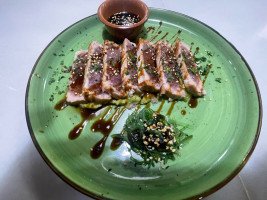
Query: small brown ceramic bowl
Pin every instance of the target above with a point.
(110, 7)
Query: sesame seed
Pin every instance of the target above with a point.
(170, 142)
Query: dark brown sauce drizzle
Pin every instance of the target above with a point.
(176, 35)
(105, 127)
(154, 37)
(98, 148)
(116, 143)
(192, 103)
(183, 112)
(150, 28)
(141, 34)
(102, 126)
(157, 32)
(76, 131)
(61, 104)
(160, 23)
(163, 37)
(171, 108)
(196, 51)
(86, 115)
(160, 106)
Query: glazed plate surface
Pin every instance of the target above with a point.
(225, 124)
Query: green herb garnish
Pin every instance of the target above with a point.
(209, 53)
(153, 137)
(132, 57)
(201, 59)
(167, 69)
(51, 80)
(193, 70)
(112, 62)
(51, 97)
(96, 67)
(219, 80)
(150, 70)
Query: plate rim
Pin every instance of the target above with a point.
(95, 196)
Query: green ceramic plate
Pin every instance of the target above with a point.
(225, 125)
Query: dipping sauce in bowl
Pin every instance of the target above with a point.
(123, 18)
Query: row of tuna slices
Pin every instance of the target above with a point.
(113, 71)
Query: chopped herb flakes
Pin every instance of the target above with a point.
(201, 59)
(96, 67)
(132, 57)
(209, 53)
(204, 70)
(219, 80)
(66, 69)
(51, 98)
(51, 80)
(193, 70)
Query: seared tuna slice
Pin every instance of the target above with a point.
(148, 77)
(169, 72)
(112, 81)
(75, 92)
(92, 86)
(188, 68)
(129, 68)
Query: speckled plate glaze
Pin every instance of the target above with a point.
(225, 125)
